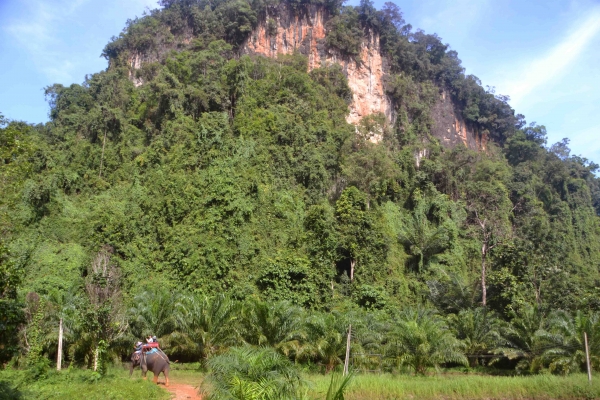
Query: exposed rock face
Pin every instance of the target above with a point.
(451, 129)
(135, 62)
(287, 31)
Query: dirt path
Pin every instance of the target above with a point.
(180, 391)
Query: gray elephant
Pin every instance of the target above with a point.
(155, 361)
(136, 358)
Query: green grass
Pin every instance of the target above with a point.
(79, 384)
(188, 373)
(390, 387)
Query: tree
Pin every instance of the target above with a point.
(452, 292)
(522, 339)
(154, 313)
(325, 339)
(277, 325)
(564, 344)
(428, 229)
(63, 317)
(11, 310)
(34, 335)
(421, 339)
(205, 325)
(479, 330)
(16, 150)
(489, 209)
(248, 373)
(357, 236)
(104, 318)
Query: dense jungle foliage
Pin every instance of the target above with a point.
(226, 200)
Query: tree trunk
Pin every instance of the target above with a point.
(102, 156)
(473, 361)
(347, 359)
(483, 289)
(96, 351)
(352, 264)
(60, 340)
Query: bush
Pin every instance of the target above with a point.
(249, 373)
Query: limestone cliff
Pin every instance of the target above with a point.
(451, 128)
(285, 31)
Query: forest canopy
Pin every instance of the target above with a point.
(236, 175)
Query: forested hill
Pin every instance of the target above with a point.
(207, 167)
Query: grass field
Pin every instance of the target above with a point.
(390, 387)
(78, 384)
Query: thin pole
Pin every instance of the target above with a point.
(347, 360)
(60, 340)
(587, 357)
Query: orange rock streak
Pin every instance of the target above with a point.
(306, 34)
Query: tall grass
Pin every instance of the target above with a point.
(391, 387)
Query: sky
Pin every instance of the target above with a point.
(543, 54)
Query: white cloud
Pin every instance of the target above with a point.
(549, 66)
(36, 31)
(56, 38)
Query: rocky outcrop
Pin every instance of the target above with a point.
(135, 62)
(285, 31)
(451, 128)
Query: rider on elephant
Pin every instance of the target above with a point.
(150, 358)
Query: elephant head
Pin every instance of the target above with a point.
(136, 358)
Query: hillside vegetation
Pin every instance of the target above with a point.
(226, 200)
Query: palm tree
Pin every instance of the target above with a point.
(522, 340)
(62, 320)
(278, 325)
(421, 339)
(479, 330)
(564, 344)
(326, 335)
(424, 236)
(369, 333)
(205, 325)
(451, 291)
(250, 373)
(153, 313)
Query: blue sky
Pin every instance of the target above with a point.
(544, 54)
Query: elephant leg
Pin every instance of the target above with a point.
(131, 369)
(166, 374)
(155, 379)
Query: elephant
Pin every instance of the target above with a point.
(136, 357)
(156, 362)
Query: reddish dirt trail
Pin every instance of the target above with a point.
(180, 391)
